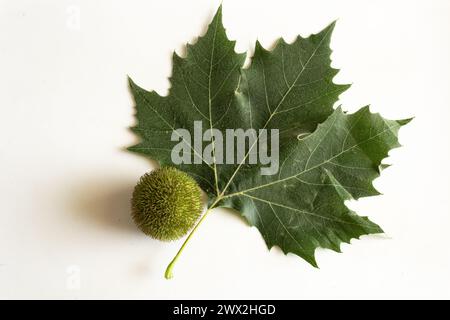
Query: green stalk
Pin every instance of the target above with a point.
(169, 270)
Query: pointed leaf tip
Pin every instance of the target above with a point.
(258, 47)
(218, 14)
(130, 81)
(404, 122)
(328, 30)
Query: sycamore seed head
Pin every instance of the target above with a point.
(166, 203)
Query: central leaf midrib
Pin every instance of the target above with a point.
(216, 178)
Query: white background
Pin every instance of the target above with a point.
(66, 181)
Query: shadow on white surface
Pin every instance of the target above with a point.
(105, 204)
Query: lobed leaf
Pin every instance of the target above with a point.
(326, 155)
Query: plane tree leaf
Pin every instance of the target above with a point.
(326, 156)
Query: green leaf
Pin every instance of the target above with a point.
(291, 88)
(326, 155)
(203, 89)
(303, 207)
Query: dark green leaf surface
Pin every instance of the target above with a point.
(303, 207)
(326, 155)
(291, 87)
(203, 89)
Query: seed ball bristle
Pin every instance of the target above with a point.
(166, 203)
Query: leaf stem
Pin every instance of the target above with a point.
(169, 270)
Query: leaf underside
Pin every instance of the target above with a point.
(326, 155)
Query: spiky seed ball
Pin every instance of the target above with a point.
(166, 203)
